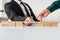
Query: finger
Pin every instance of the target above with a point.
(46, 15)
(40, 18)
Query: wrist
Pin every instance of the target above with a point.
(48, 11)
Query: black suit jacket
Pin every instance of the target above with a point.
(15, 13)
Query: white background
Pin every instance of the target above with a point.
(39, 5)
(34, 33)
(30, 33)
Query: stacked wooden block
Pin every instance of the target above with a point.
(47, 23)
(19, 23)
(6, 23)
(0, 24)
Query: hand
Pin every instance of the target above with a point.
(28, 21)
(43, 14)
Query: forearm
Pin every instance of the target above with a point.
(54, 6)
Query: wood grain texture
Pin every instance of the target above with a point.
(4, 23)
(19, 23)
(47, 23)
(54, 24)
(40, 23)
(11, 24)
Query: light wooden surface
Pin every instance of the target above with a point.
(11, 23)
(47, 24)
(54, 24)
(40, 23)
(19, 23)
(4, 23)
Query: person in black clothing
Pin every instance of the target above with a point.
(17, 10)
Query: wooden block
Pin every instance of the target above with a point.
(54, 24)
(4, 23)
(0, 24)
(40, 23)
(19, 23)
(11, 24)
(47, 23)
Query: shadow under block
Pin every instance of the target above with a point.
(40, 23)
(19, 23)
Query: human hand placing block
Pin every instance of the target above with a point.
(28, 21)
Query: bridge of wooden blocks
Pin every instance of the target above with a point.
(13, 23)
(19, 23)
(47, 23)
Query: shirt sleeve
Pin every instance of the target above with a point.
(54, 6)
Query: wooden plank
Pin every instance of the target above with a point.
(19, 23)
(54, 23)
(7, 23)
(47, 23)
(0, 24)
(40, 23)
(11, 24)
(4, 23)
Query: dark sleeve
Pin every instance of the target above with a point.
(54, 6)
(12, 14)
(32, 14)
